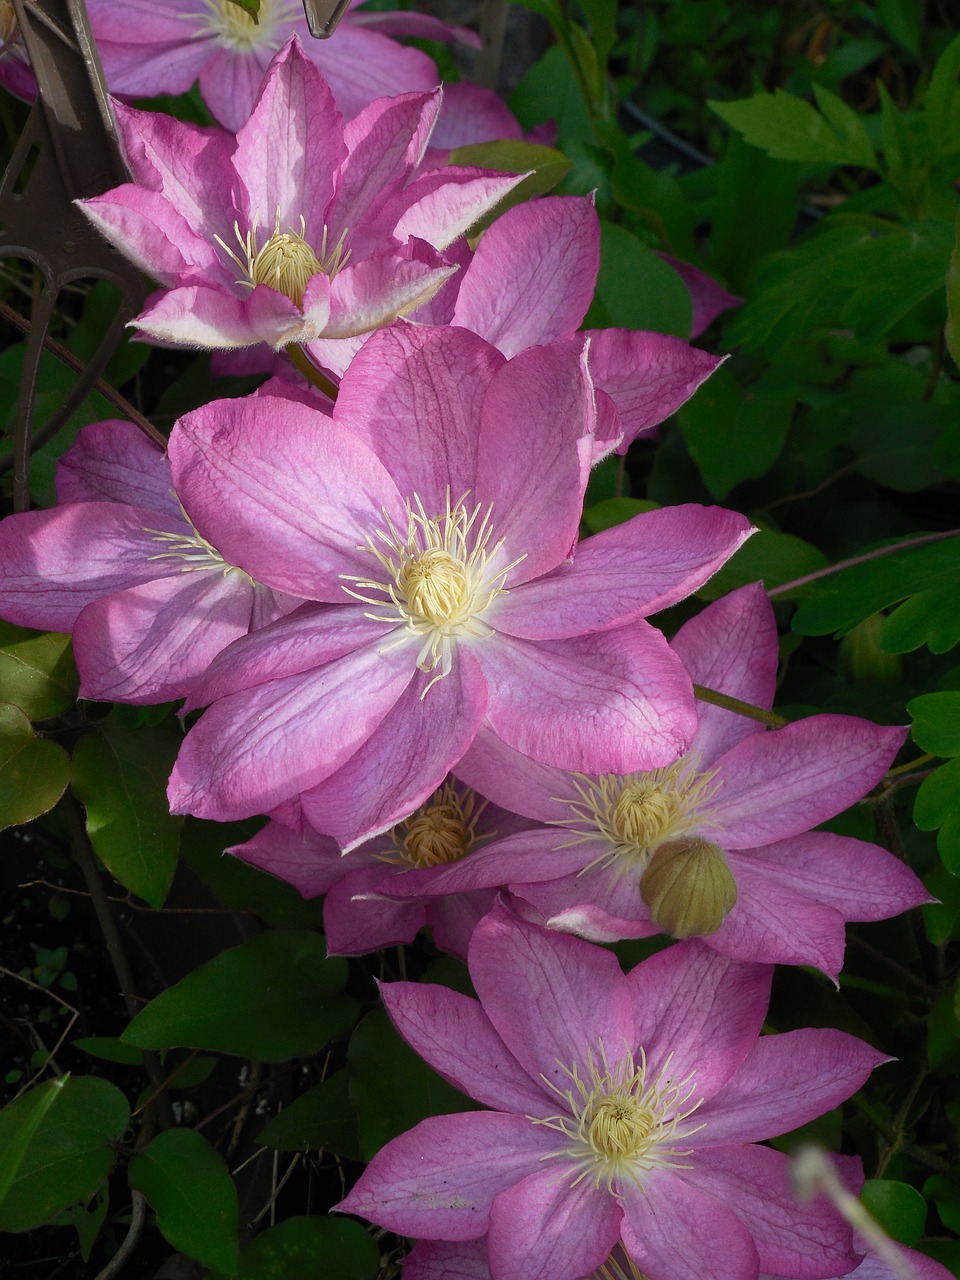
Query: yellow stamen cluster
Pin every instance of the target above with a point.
(619, 1267)
(440, 576)
(234, 28)
(195, 551)
(442, 830)
(618, 1125)
(286, 262)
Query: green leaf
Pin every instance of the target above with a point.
(252, 7)
(602, 16)
(302, 1247)
(58, 1147)
(33, 771)
(755, 212)
(612, 511)
(190, 1189)
(901, 19)
(941, 919)
(941, 107)
(37, 672)
(271, 999)
(768, 557)
(87, 1223)
(544, 166)
(899, 1208)
(937, 804)
(121, 777)
(735, 433)
(788, 128)
(952, 329)
(110, 1049)
(320, 1118)
(391, 1088)
(636, 289)
(936, 723)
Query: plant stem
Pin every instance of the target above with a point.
(786, 587)
(302, 361)
(741, 708)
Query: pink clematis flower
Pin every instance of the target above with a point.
(449, 586)
(626, 1111)
(119, 564)
(717, 843)
(449, 826)
(299, 227)
(529, 282)
(156, 49)
(16, 74)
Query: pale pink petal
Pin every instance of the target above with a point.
(451, 1032)
(369, 294)
(786, 1081)
(150, 642)
(700, 1010)
(783, 782)
(443, 213)
(113, 461)
(809, 1240)
(625, 573)
(730, 646)
(609, 703)
(356, 922)
(151, 232)
(553, 999)
(439, 1179)
(471, 113)
(533, 274)
(255, 749)
(513, 780)
(283, 492)
(394, 772)
(230, 83)
(672, 1229)
(312, 863)
(203, 316)
(544, 1229)
(598, 904)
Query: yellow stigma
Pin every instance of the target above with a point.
(234, 28)
(442, 830)
(635, 813)
(440, 575)
(618, 1124)
(286, 262)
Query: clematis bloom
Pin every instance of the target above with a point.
(297, 228)
(718, 842)
(448, 587)
(626, 1111)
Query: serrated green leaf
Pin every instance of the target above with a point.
(34, 771)
(121, 778)
(936, 722)
(190, 1190)
(320, 1118)
(636, 289)
(301, 1247)
(848, 125)
(769, 557)
(58, 1146)
(735, 433)
(788, 128)
(899, 1208)
(37, 672)
(271, 999)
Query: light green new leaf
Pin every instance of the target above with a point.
(788, 128)
(274, 998)
(57, 1143)
(37, 673)
(121, 777)
(190, 1189)
(34, 771)
(899, 1208)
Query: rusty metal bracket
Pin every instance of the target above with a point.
(68, 150)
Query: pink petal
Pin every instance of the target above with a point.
(610, 703)
(871, 1268)
(113, 461)
(554, 1000)
(453, 919)
(700, 1010)
(783, 782)
(407, 22)
(362, 64)
(598, 904)
(513, 780)
(148, 230)
(625, 573)
(471, 113)
(808, 1240)
(730, 646)
(708, 297)
(396, 770)
(255, 749)
(203, 316)
(542, 1229)
(312, 863)
(452, 1033)
(439, 1179)
(357, 922)
(533, 274)
(672, 1229)
(372, 293)
(444, 212)
(459, 1260)
(146, 62)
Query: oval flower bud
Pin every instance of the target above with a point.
(688, 887)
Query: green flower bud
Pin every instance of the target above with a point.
(688, 887)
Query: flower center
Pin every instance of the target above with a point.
(286, 262)
(440, 575)
(635, 813)
(442, 830)
(618, 1124)
(235, 29)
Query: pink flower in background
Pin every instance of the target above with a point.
(119, 564)
(449, 826)
(16, 74)
(448, 587)
(148, 50)
(716, 843)
(300, 226)
(626, 1110)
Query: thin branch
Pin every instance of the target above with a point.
(27, 982)
(73, 362)
(138, 1214)
(786, 587)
